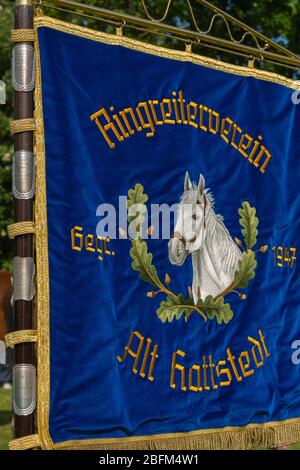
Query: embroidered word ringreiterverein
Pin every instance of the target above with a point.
(119, 125)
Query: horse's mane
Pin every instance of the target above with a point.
(228, 251)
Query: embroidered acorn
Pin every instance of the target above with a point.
(238, 241)
(167, 279)
(242, 296)
(151, 294)
(122, 233)
(263, 248)
(150, 231)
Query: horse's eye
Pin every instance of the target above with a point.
(194, 217)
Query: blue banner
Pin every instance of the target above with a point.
(167, 220)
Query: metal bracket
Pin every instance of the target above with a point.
(23, 278)
(23, 2)
(23, 67)
(24, 389)
(237, 37)
(23, 175)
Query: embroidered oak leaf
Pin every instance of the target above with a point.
(173, 308)
(137, 196)
(215, 308)
(246, 270)
(249, 222)
(136, 200)
(142, 262)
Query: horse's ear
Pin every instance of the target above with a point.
(201, 184)
(187, 182)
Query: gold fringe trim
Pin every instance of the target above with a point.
(22, 125)
(266, 435)
(20, 228)
(24, 443)
(41, 244)
(20, 336)
(22, 35)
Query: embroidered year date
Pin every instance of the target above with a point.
(284, 256)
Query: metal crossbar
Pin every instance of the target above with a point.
(263, 48)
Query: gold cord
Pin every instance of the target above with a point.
(20, 228)
(22, 35)
(20, 336)
(22, 125)
(24, 443)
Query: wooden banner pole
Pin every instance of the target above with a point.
(23, 309)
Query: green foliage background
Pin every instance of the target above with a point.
(277, 19)
(5, 418)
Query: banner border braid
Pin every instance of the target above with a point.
(270, 434)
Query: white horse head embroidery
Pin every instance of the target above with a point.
(201, 233)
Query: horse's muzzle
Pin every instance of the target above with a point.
(177, 251)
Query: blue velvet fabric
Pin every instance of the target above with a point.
(95, 305)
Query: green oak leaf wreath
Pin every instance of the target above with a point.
(173, 306)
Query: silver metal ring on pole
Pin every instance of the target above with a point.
(23, 175)
(24, 389)
(23, 278)
(23, 67)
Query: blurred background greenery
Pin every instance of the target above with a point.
(5, 418)
(277, 19)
